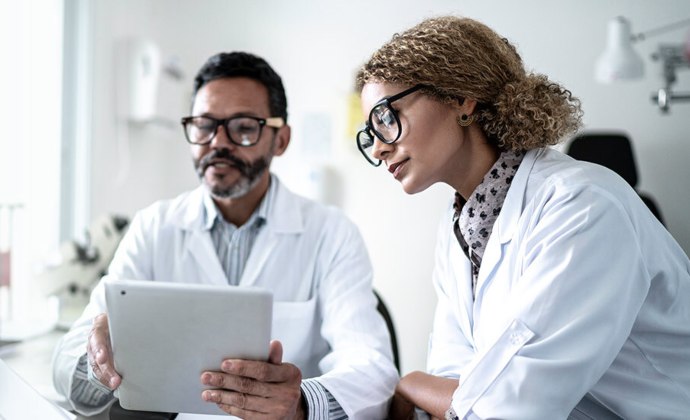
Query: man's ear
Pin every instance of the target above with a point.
(282, 140)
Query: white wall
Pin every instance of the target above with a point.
(317, 49)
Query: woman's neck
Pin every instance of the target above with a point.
(479, 157)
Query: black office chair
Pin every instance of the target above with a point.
(383, 310)
(614, 151)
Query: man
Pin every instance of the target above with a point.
(332, 355)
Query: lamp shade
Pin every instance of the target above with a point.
(619, 61)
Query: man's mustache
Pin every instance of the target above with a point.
(223, 154)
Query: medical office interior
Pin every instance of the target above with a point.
(93, 90)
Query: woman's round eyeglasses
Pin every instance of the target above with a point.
(383, 123)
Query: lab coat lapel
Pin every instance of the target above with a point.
(507, 221)
(460, 266)
(197, 246)
(284, 218)
(492, 255)
(200, 247)
(264, 246)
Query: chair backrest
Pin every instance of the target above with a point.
(613, 150)
(383, 310)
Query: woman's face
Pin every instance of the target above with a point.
(431, 144)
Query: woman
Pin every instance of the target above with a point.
(559, 293)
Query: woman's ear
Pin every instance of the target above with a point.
(465, 106)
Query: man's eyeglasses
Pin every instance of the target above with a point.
(242, 131)
(383, 123)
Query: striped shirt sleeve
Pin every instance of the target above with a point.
(87, 390)
(321, 404)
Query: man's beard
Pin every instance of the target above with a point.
(250, 173)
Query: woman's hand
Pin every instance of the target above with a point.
(432, 394)
(401, 408)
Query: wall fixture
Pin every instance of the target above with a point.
(620, 61)
(141, 66)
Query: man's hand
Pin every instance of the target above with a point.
(99, 352)
(257, 390)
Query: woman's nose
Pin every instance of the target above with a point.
(380, 149)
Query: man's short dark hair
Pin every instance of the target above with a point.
(242, 64)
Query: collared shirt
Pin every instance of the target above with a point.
(474, 219)
(233, 246)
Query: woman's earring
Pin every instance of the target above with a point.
(465, 120)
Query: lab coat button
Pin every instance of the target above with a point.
(515, 338)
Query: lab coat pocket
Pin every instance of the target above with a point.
(476, 379)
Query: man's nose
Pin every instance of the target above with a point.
(222, 138)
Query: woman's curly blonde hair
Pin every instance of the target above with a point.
(462, 58)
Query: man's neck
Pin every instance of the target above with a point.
(238, 210)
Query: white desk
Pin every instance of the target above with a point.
(32, 360)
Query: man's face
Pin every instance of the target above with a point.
(229, 170)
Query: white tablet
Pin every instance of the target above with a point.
(164, 335)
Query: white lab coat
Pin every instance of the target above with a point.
(581, 290)
(313, 260)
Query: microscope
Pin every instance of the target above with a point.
(79, 265)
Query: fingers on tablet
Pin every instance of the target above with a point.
(99, 353)
(275, 353)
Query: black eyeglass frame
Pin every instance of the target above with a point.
(368, 128)
(273, 122)
(366, 131)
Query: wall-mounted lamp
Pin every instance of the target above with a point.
(620, 61)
